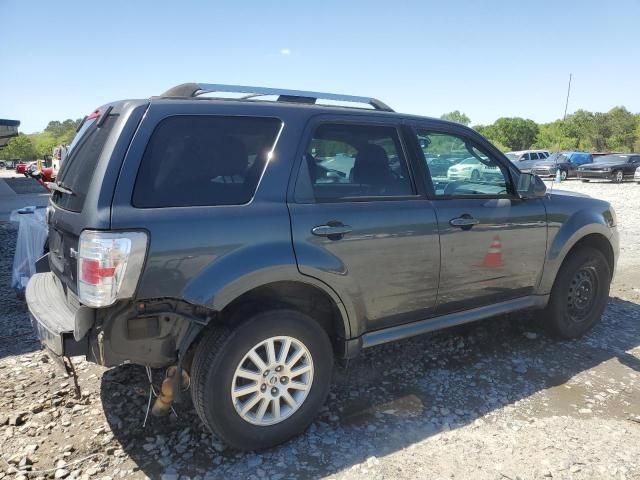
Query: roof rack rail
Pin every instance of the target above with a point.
(297, 96)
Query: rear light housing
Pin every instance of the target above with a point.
(109, 265)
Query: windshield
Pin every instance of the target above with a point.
(512, 156)
(613, 159)
(557, 158)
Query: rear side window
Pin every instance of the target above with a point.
(196, 160)
(345, 162)
(77, 170)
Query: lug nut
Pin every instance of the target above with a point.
(265, 373)
(278, 369)
(274, 390)
(284, 379)
(263, 388)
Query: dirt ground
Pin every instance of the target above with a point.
(493, 400)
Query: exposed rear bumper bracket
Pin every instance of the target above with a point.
(51, 317)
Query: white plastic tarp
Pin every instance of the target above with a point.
(32, 235)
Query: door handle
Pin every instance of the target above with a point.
(465, 222)
(334, 231)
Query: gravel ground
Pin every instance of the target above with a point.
(493, 400)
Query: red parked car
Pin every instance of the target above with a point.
(21, 167)
(48, 174)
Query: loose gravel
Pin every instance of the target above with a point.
(494, 400)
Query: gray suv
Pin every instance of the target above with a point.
(249, 242)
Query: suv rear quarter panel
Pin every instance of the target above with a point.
(66, 225)
(209, 255)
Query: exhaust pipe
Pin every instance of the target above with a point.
(162, 405)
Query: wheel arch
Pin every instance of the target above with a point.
(592, 235)
(302, 294)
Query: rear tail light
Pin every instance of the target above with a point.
(109, 265)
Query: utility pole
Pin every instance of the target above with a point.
(566, 105)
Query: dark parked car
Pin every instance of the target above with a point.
(616, 168)
(567, 162)
(309, 233)
(439, 166)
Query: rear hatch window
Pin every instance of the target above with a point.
(76, 172)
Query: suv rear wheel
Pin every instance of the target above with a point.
(580, 293)
(263, 382)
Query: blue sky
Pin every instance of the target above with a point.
(488, 59)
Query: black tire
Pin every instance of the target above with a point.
(616, 174)
(570, 312)
(220, 352)
(564, 174)
(584, 180)
(475, 175)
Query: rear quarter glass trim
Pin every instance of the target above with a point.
(270, 157)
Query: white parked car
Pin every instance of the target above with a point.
(523, 155)
(470, 169)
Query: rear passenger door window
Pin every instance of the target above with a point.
(204, 161)
(470, 171)
(344, 162)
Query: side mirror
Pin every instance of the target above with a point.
(530, 185)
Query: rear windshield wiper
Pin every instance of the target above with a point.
(60, 187)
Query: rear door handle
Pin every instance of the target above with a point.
(464, 222)
(332, 230)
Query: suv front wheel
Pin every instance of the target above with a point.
(580, 293)
(263, 382)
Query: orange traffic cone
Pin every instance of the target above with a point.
(493, 258)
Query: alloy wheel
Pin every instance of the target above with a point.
(272, 381)
(619, 176)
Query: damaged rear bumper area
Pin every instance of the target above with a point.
(52, 316)
(155, 333)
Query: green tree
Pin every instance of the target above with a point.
(20, 147)
(579, 127)
(552, 136)
(456, 116)
(63, 131)
(600, 134)
(44, 143)
(54, 128)
(489, 132)
(516, 133)
(621, 125)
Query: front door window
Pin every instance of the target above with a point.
(459, 168)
